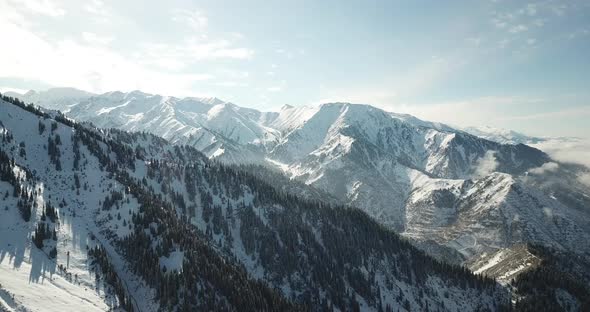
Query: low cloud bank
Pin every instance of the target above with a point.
(546, 167)
(568, 150)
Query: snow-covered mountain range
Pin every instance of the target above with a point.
(94, 219)
(458, 195)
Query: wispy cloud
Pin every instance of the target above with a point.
(97, 7)
(91, 61)
(43, 7)
(94, 68)
(198, 44)
(569, 150)
(93, 38)
(231, 84)
(11, 89)
(196, 49)
(546, 167)
(278, 87)
(194, 19)
(518, 28)
(380, 96)
(513, 22)
(485, 165)
(579, 33)
(570, 112)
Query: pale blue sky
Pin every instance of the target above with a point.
(522, 65)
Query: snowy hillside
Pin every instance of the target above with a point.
(31, 279)
(107, 219)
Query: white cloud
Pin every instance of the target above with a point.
(194, 19)
(548, 212)
(477, 111)
(531, 9)
(233, 74)
(501, 20)
(512, 21)
(485, 165)
(475, 40)
(430, 72)
(569, 112)
(42, 7)
(579, 33)
(274, 89)
(92, 62)
(166, 63)
(568, 150)
(559, 9)
(503, 43)
(231, 84)
(382, 97)
(500, 112)
(518, 28)
(546, 167)
(10, 89)
(93, 38)
(194, 49)
(584, 178)
(96, 7)
(539, 22)
(93, 68)
(289, 54)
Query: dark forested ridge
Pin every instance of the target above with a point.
(561, 282)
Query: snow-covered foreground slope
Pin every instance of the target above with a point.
(175, 231)
(31, 279)
(435, 184)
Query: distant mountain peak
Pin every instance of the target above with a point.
(500, 135)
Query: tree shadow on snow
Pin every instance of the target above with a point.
(41, 265)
